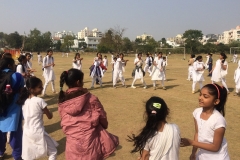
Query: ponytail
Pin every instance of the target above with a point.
(63, 79)
(24, 94)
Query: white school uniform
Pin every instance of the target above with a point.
(198, 75)
(138, 73)
(237, 77)
(218, 73)
(36, 143)
(235, 58)
(190, 71)
(147, 67)
(206, 130)
(118, 71)
(39, 59)
(29, 66)
(48, 72)
(77, 64)
(206, 63)
(157, 72)
(19, 69)
(164, 145)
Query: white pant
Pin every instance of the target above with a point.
(147, 69)
(94, 79)
(51, 149)
(237, 89)
(45, 87)
(162, 83)
(224, 83)
(194, 85)
(142, 80)
(118, 75)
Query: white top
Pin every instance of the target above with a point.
(105, 62)
(206, 130)
(48, 72)
(218, 73)
(19, 69)
(118, 65)
(165, 145)
(140, 63)
(198, 75)
(77, 64)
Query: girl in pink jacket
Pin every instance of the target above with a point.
(83, 121)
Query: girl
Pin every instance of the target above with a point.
(39, 58)
(138, 72)
(190, 67)
(29, 64)
(219, 71)
(36, 142)
(147, 64)
(22, 67)
(77, 61)
(158, 139)
(210, 125)
(48, 73)
(105, 62)
(197, 74)
(96, 72)
(83, 120)
(118, 70)
(237, 79)
(158, 71)
(10, 112)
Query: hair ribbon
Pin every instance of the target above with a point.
(217, 90)
(157, 105)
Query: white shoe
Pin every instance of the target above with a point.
(145, 87)
(133, 87)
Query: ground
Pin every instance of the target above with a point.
(125, 106)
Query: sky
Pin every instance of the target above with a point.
(159, 18)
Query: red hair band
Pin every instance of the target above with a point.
(217, 90)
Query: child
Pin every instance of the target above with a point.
(157, 73)
(197, 74)
(118, 70)
(219, 71)
(210, 62)
(138, 72)
(147, 64)
(83, 121)
(158, 139)
(29, 64)
(22, 67)
(48, 73)
(190, 67)
(210, 125)
(105, 63)
(77, 62)
(10, 111)
(237, 79)
(96, 72)
(39, 56)
(36, 142)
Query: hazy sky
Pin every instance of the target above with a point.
(160, 18)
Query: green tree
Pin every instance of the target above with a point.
(127, 44)
(58, 45)
(68, 42)
(192, 38)
(14, 40)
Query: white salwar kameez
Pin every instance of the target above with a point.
(147, 67)
(218, 74)
(197, 75)
(118, 72)
(237, 78)
(77, 64)
(138, 73)
(157, 73)
(48, 73)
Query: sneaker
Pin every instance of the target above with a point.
(133, 87)
(193, 92)
(145, 87)
(164, 88)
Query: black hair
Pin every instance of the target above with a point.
(5, 62)
(28, 54)
(77, 54)
(192, 55)
(154, 115)
(9, 55)
(139, 53)
(223, 55)
(31, 83)
(198, 58)
(69, 77)
(218, 91)
(38, 53)
(147, 54)
(164, 57)
(49, 50)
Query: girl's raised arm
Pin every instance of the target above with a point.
(48, 113)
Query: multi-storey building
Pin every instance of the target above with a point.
(178, 40)
(144, 36)
(89, 33)
(229, 36)
(63, 34)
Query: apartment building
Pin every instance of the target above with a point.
(63, 34)
(86, 32)
(92, 42)
(177, 40)
(144, 36)
(229, 36)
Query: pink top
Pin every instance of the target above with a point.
(84, 121)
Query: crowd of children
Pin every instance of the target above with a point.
(84, 120)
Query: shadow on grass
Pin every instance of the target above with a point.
(231, 89)
(171, 86)
(114, 154)
(62, 145)
(52, 100)
(53, 127)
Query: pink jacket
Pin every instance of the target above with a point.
(83, 120)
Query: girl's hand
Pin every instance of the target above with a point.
(185, 142)
(192, 156)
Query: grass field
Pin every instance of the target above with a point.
(125, 106)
